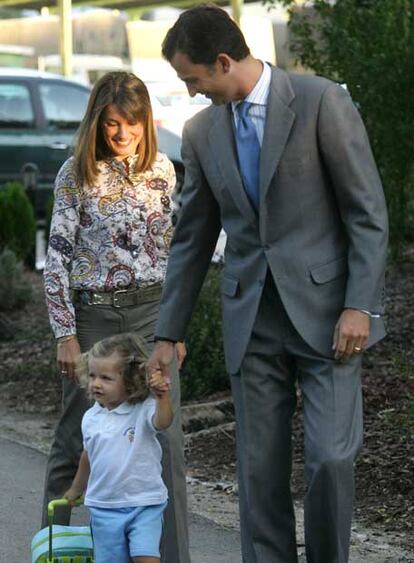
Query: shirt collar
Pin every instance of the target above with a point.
(260, 92)
(123, 408)
(119, 165)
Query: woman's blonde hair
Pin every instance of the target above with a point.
(130, 96)
(133, 354)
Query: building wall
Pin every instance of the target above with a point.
(97, 32)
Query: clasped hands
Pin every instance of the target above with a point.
(162, 358)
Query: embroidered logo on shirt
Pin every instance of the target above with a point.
(130, 433)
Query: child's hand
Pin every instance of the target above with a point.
(72, 495)
(157, 383)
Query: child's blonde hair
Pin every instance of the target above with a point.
(133, 354)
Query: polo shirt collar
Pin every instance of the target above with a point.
(123, 408)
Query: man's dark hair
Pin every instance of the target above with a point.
(202, 33)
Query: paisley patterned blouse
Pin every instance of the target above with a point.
(112, 235)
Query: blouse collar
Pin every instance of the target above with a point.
(119, 165)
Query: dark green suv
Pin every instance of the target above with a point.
(39, 115)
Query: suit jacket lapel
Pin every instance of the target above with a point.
(279, 121)
(222, 144)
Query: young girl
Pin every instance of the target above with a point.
(120, 467)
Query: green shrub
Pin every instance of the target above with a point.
(204, 371)
(6, 220)
(14, 291)
(369, 45)
(17, 221)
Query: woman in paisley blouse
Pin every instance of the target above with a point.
(107, 256)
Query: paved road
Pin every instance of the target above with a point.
(21, 482)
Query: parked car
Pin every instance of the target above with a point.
(39, 115)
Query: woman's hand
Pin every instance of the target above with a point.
(68, 352)
(181, 352)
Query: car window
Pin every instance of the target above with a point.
(16, 108)
(63, 105)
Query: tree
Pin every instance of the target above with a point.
(369, 46)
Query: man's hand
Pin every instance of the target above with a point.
(161, 359)
(68, 353)
(157, 383)
(351, 334)
(181, 352)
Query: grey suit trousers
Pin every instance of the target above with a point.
(264, 394)
(94, 323)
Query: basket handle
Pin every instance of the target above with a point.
(51, 512)
(61, 502)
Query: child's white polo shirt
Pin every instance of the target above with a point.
(124, 455)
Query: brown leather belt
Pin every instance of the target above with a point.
(118, 298)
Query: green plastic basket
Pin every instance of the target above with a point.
(62, 544)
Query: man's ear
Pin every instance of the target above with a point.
(224, 62)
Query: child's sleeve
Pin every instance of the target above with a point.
(149, 405)
(85, 433)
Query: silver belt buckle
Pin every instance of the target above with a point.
(115, 294)
(96, 299)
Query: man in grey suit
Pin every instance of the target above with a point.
(281, 162)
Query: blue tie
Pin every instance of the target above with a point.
(248, 150)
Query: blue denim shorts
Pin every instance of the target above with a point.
(121, 533)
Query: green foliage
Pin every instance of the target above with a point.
(6, 220)
(369, 45)
(410, 411)
(204, 371)
(404, 366)
(17, 221)
(14, 291)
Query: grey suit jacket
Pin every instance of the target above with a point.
(322, 226)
